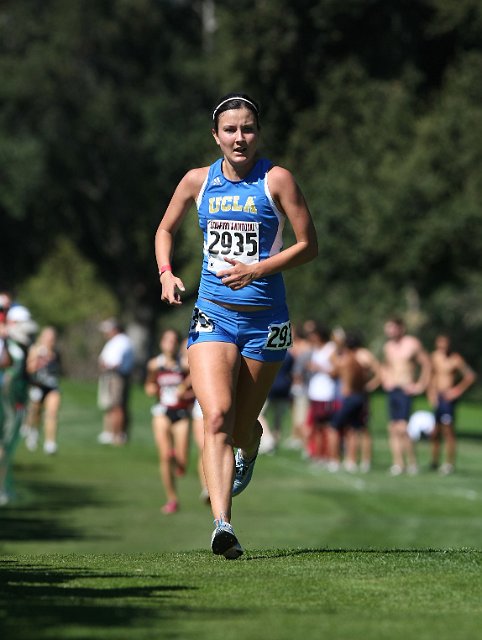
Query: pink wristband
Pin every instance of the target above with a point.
(164, 268)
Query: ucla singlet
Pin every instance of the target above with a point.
(240, 221)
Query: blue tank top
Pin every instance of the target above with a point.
(239, 220)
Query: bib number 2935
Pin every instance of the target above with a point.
(279, 337)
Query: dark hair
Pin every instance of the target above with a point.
(353, 340)
(235, 101)
(172, 330)
(321, 331)
(398, 320)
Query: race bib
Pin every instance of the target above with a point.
(279, 336)
(231, 239)
(168, 395)
(35, 394)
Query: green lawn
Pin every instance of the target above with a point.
(268, 594)
(86, 553)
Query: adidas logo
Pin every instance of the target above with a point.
(217, 182)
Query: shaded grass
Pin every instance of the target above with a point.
(267, 594)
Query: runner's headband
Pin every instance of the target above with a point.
(235, 98)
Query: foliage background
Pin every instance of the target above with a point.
(375, 106)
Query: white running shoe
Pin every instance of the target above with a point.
(446, 469)
(396, 470)
(50, 447)
(350, 466)
(244, 473)
(224, 541)
(105, 437)
(293, 443)
(267, 444)
(31, 440)
(24, 430)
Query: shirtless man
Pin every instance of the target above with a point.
(356, 372)
(405, 374)
(451, 377)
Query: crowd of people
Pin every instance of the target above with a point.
(319, 402)
(30, 394)
(409, 370)
(333, 376)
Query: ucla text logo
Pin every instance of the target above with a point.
(231, 203)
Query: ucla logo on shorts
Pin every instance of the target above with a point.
(200, 322)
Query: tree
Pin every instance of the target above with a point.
(94, 132)
(374, 105)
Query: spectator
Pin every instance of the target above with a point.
(116, 362)
(451, 377)
(43, 369)
(16, 332)
(321, 392)
(357, 372)
(405, 374)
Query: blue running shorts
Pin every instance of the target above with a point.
(352, 413)
(261, 335)
(445, 411)
(399, 405)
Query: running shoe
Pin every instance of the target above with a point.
(350, 466)
(170, 507)
(105, 437)
(446, 469)
(180, 469)
(244, 473)
(396, 470)
(224, 541)
(50, 447)
(31, 441)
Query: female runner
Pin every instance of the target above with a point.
(240, 328)
(167, 380)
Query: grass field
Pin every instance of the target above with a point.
(86, 553)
